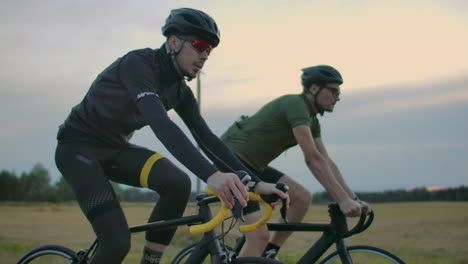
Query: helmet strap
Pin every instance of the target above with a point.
(319, 109)
(173, 54)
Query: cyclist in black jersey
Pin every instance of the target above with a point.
(137, 90)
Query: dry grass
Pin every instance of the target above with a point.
(433, 232)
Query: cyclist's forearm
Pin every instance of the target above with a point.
(336, 172)
(323, 173)
(173, 138)
(211, 145)
(217, 147)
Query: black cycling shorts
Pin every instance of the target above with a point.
(270, 175)
(88, 164)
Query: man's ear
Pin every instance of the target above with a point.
(313, 89)
(173, 41)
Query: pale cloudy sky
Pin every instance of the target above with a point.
(400, 123)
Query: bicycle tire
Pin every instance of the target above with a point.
(365, 254)
(184, 253)
(50, 254)
(255, 260)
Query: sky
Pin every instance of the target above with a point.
(400, 123)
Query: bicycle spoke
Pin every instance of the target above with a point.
(50, 254)
(365, 254)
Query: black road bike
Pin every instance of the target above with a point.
(333, 233)
(202, 222)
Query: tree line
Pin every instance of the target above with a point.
(35, 186)
(414, 195)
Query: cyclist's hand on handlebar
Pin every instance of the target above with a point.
(365, 207)
(350, 207)
(269, 188)
(228, 186)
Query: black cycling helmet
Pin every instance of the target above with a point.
(190, 21)
(320, 74)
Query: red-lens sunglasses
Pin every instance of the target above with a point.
(199, 45)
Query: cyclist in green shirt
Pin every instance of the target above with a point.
(283, 123)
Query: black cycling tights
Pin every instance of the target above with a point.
(88, 169)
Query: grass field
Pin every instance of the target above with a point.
(426, 232)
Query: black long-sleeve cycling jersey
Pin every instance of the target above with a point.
(137, 90)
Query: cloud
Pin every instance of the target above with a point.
(399, 61)
(402, 97)
(405, 148)
(379, 142)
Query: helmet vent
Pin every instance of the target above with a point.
(326, 73)
(191, 19)
(320, 74)
(192, 22)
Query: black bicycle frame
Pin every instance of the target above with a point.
(333, 233)
(209, 242)
(209, 238)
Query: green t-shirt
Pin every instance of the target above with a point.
(262, 137)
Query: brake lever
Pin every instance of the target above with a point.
(271, 198)
(283, 211)
(284, 188)
(237, 211)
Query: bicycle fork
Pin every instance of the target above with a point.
(338, 228)
(343, 252)
(322, 245)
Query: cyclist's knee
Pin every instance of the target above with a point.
(301, 197)
(184, 184)
(259, 236)
(180, 185)
(170, 180)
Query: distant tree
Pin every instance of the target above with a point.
(8, 186)
(138, 195)
(64, 191)
(322, 197)
(35, 185)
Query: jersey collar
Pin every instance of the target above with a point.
(168, 72)
(309, 105)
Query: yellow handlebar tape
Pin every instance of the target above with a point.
(266, 215)
(216, 221)
(224, 212)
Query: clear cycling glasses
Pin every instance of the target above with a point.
(335, 91)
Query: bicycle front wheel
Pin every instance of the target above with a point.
(183, 255)
(255, 260)
(50, 254)
(365, 254)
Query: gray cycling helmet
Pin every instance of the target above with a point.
(320, 74)
(190, 21)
